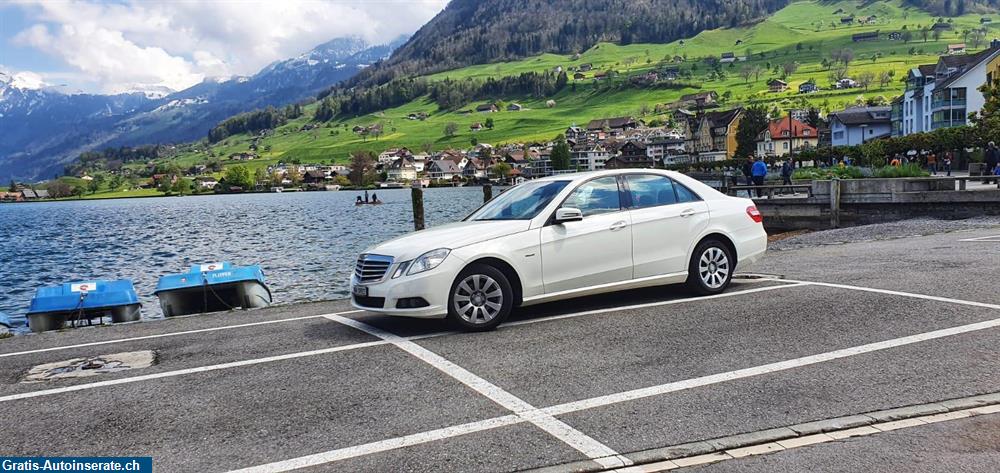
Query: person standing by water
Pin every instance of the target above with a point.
(759, 171)
(948, 156)
(992, 158)
(932, 163)
(786, 175)
(748, 171)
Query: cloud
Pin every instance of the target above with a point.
(178, 44)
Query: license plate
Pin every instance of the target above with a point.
(360, 291)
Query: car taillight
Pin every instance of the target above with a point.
(754, 214)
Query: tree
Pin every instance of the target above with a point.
(907, 36)
(745, 73)
(560, 154)
(937, 35)
(276, 178)
(93, 185)
(360, 166)
(865, 79)
(754, 121)
(116, 182)
(501, 170)
(13, 186)
(789, 68)
(924, 32)
(183, 186)
(838, 73)
(294, 175)
(757, 71)
(489, 123)
(78, 191)
(450, 129)
(813, 118)
(987, 121)
(260, 176)
(238, 176)
(885, 78)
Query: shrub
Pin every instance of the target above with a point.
(906, 170)
(848, 172)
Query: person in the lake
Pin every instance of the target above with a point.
(359, 201)
(374, 197)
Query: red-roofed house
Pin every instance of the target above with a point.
(784, 135)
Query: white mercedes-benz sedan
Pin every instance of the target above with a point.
(561, 237)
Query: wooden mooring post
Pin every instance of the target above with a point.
(487, 192)
(417, 196)
(835, 203)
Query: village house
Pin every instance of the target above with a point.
(401, 169)
(857, 125)
(862, 37)
(315, 177)
(477, 168)
(459, 158)
(585, 67)
(712, 137)
(246, 156)
(417, 116)
(476, 126)
(631, 155)
(784, 136)
(699, 100)
(486, 108)
(847, 20)
(777, 85)
(895, 36)
(590, 157)
(206, 182)
(727, 57)
(668, 150)
(514, 107)
(944, 94)
(579, 76)
(11, 197)
(615, 126)
(958, 48)
(443, 169)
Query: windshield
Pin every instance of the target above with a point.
(520, 203)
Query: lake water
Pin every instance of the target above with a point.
(306, 242)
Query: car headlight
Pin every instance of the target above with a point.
(428, 261)
(401, 269)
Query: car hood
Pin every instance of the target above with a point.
(451, 236)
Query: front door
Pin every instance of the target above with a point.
(593, 251)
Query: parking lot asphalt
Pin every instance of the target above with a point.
(965, 445)
(322, 387)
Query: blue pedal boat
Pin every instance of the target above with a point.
(5, 323)
(81, 302)
(211, 288)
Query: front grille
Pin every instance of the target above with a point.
(373, 302)
(372, 268)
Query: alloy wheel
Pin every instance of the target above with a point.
(478, 299)
(713, 267)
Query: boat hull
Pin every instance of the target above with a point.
(214, 298)
(56, 320)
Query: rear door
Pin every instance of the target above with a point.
(666, 218)
(593, 251)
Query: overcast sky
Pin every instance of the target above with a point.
(114, 46)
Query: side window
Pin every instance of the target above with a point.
(684, 194)
(648, 190)
(595, 197)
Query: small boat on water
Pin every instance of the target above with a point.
(211, 288)
(82, 302)
(391, 185)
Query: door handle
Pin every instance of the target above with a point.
(687, 212)
(618, 225)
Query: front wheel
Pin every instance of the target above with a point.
(711, 268)
(480, 299)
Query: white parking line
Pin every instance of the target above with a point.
(200, 369)
(991, 239)
(900, 293)
(384, 445)
(602, 401)
(572, 437)
(172, 334)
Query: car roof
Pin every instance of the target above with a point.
(587, 175)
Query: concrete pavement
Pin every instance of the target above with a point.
(321, 387)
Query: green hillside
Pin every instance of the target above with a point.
(805, 32)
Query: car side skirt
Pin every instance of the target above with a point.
(658, 280)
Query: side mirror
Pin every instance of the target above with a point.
(568, 214)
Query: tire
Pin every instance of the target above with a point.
(711, 268)
(480, 298)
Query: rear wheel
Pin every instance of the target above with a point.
(480, 299)
(711, 268)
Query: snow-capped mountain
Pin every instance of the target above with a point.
(44, 129)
